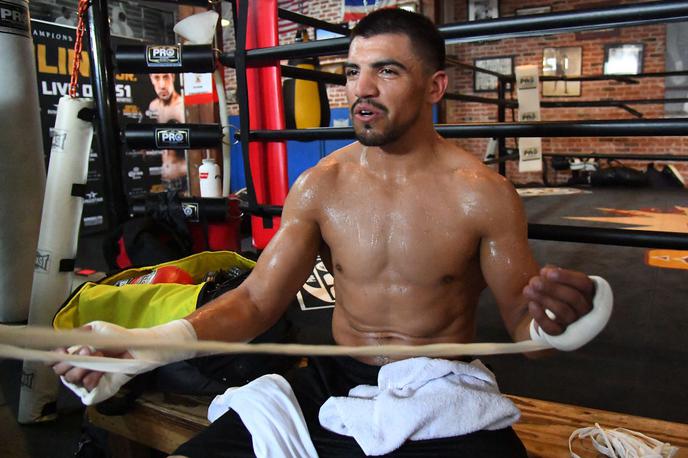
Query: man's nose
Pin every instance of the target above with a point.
(366, 85)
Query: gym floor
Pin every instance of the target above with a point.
(636, 366)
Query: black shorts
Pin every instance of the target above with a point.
(313, 385)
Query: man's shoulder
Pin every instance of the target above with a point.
(470, 172)
(468, 166)
(350, 153)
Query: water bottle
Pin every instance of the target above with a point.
(211, 178)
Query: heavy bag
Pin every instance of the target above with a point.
(57, 244)
(22, 170)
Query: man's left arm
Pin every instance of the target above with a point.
(551, 296)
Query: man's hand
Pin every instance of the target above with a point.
(84, 377)
(558, 297)
(93, 386)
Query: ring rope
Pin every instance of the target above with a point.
(23, 343)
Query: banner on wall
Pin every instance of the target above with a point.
(354, 10)
(140, 98)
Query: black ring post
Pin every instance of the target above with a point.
(501, 117)
(106, 106)
(242, 99)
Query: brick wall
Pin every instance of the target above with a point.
(529, 51)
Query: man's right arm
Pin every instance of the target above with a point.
(281, 270)
(250, 309)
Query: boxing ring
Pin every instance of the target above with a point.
(266, 193)
(544, 232)
(262, 134)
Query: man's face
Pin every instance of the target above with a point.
(163, 83)
(385, 87)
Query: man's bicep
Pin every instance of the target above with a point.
(289, 258)
(284, 265)
(507, 262)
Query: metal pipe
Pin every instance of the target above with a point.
(567, 21)
(566, 103)
(289, 71)
(501, 117)
(479, 99)
(670, 127)
(516, 26)
(608, 236)
(107, 127)
(611, 103)
(608, 128)
(329, 47)
(631, 157)
(313, 75)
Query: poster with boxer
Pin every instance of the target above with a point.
(140, 99)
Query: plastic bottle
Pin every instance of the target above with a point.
(165, 274)
(211, 178)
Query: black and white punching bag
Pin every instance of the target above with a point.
(22, 170)
(57, 244)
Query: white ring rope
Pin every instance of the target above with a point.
(24, 343)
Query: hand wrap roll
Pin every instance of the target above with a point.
(587, 327)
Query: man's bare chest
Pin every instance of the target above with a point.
(400, 233)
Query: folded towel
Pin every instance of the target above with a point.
(272, 415)
(416, 399)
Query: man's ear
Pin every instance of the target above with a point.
(438, 86)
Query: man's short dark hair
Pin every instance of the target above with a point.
(422, 33)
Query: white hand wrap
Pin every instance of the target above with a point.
(110, 382)
(585, 328)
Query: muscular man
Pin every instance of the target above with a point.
(168, 106)
(413, 229)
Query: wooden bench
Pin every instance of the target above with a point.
(163, 424)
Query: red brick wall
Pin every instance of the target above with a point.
(529, 51)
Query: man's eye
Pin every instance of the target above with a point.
(350, 72)
(387, 71)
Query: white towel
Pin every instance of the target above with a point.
(269, 410)
(416, 399)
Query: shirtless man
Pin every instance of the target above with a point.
(412, 227)
(167, 107)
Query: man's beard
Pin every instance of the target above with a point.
(368, 136)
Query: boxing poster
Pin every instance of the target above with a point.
(140, 99)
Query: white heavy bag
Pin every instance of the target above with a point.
(57, 246)
(22, 170)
